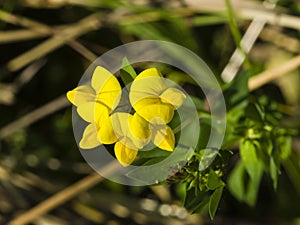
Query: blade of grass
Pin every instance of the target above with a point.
(237, 37)
(208, 20)
(19, 35)
(24, 22)
(85, 25)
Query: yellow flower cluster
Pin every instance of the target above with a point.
(153, 102)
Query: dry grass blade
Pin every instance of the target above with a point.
(24, 22)
(248, 10)
(284, 41)
(19, 35)
(64, 195)
(34, 116)
(87, 24)
(59, 3)
(81, 49)
(269, 75)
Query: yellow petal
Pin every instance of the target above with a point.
(124, 154)
(121, 126)
(106, 132)
(154, 113)
(104, 81)
(148, 83)
(139, 127)
(81, 95)
(110, 99)
(173, 96)
(93, 112)
(89, 138)
(164, 138)
(149, 73)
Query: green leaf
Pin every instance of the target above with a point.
(249, 157)
(285, 146)
(236, 181)
(254, 168)
(196, 203)
(209, 20)
(274, 172)
(253, 186)
(208, 156)
(157, 173)
(243, 187)
(255, 112)
(154, 153)
(214, 201)
(236, 91)
(292, 168)
(214, 181)
(127, 73)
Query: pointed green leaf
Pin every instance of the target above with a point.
(285, 146)
(255, 112)
(127, 72)
(154, 153)
(214, 181)
(214, 201)
(253, 186)
(249, 156)
(236, 181)
(196, 203)
(237, 91)
(274, 172)
(160, 171)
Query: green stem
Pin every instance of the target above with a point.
(237, 37)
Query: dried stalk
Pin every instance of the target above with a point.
(63, 196)
(34, 116)
(87, 24)
(272, 74)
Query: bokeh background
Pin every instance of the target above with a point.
(45, 47)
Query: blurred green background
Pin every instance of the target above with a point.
(45, 47)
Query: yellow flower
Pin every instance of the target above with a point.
(154, 101)
(94, 104)
(122, 128)
(151, 98)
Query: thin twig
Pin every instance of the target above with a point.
(64, 195)
(37, 29)
(274, 36)
(34, 116)
(19, 35)
(85, 25)
(272, 74)
(247, 10)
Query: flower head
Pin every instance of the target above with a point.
(128, 131)
(94, 103)
(153, 101)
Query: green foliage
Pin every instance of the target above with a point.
(256, 143)
(127, 73)
(263, 145)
